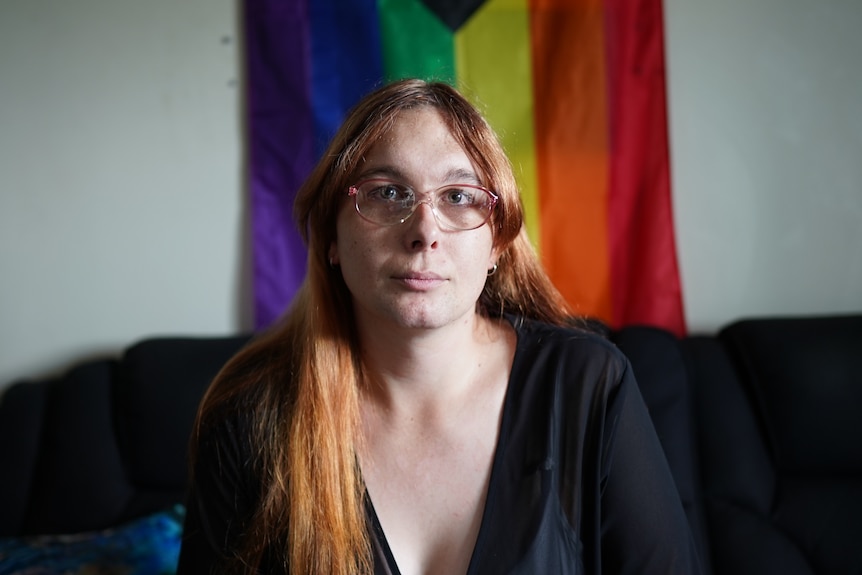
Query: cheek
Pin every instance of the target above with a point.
(356, 254)
(353, 241)
(477, 260)
(488, 252)
(344, 233)
(353, 254)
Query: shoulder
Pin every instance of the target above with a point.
(239, 407)
(225, 436)
(575, 344)
(251, 386)
(569, 366)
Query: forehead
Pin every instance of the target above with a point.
(418, 144)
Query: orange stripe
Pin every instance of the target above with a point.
(570, 101)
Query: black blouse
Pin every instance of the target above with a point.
(579, 483)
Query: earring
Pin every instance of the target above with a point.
(493, 270)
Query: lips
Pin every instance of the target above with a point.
(420, 281)
(418, 276)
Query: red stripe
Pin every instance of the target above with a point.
(645, 275)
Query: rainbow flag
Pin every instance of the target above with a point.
(574, 88)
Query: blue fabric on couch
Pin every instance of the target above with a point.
(147, 546)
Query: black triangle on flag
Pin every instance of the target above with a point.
(453, 13)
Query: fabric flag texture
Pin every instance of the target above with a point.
(574, 88)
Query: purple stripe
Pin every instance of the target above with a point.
(281, 154)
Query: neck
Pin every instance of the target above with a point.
(422, 367)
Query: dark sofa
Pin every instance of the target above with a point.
(760, 423)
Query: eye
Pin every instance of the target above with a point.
(457, 197)
(388, 192)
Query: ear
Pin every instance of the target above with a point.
(494, 258)
(333, 254)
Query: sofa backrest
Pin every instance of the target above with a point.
(107, 442)
(160, 383)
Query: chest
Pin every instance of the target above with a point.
(429, 492)
(444, 521)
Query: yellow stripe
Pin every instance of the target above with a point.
(493, 67)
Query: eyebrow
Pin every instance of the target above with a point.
(383, 172)
(455, 175)
(462, 175)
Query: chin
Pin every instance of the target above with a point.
(430, 318)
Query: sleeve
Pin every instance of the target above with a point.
(219, 502)
(644, 529)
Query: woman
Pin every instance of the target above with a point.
(427, 405)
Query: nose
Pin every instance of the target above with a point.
(428, 201)
(422, 226)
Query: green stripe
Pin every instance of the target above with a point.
(416, 44)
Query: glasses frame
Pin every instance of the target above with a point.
(430, 200)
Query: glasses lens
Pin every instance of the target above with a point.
(458, 207)
(384, 202)
(464, 207)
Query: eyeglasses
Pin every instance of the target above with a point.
(456, 206)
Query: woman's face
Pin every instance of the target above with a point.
(415, 274)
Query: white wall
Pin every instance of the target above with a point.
(120, 187)
(121, 210)
(766, 136)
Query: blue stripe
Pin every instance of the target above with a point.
(346, 61)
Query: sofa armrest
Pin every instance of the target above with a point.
(661, 371)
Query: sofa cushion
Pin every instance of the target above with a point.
(662, 375)
(79, 480)
(735, 461)
(747, 543)
(160, 384)
(22, 412)
(778, 405)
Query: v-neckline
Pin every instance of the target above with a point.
(502, 439)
